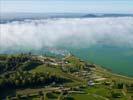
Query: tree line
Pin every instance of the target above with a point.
(26, 79)
(17, 62)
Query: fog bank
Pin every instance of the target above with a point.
(71, 32)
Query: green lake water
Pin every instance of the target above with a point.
(117, 59)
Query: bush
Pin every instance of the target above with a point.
(116, 94)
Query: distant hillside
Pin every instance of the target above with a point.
(10, 17)
(108, 15)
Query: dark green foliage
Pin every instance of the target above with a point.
(40, 93)
(8, 98)
(15, 73)
(18, 97)
(120, 85)
(30, 65)
(68, 98)
(51, 95)
(116, 94)
(130, 88)
(17, 62)
(3, 57)
(12, 62)
(26, 79)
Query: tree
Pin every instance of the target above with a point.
(18, 97)
(40, 93)
(8, 98)
(17, 82)
(61, 97)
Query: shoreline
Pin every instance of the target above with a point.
(117, 74)
(103, 70)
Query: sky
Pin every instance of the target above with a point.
(66, 6)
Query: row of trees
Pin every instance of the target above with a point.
(17, 62)
(27, 79)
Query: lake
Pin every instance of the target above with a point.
(117, 59)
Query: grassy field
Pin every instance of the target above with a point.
(99, 92)
(86, 97)
(57, 71)
(45, 69)
(78, 85)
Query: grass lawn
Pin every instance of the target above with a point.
(58, 71)
(86, 97)
(44, 69)
(99, 91)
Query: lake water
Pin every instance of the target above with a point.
(117, 59)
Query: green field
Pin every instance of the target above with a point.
(52, 82)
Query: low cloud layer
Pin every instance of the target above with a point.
(75, 32)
